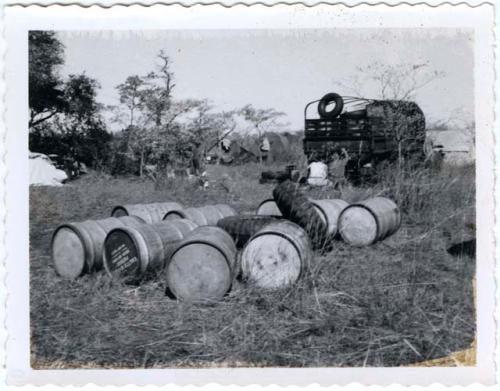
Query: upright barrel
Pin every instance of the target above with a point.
(150, 213)
(204, 215)
(297, 208)
(276, 255)
(77, 248)
(202, 267)
(368, 221)
(131, 253)
(269, 208)
(330, 210)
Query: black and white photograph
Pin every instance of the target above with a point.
(253, 198)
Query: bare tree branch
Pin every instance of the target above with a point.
(34, 122)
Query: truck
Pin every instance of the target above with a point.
(369, 131)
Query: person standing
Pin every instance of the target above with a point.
(336, 169)
(197, 158)
(265, 147)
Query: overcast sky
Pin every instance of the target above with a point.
(280, 69)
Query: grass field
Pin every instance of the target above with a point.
(400, 301)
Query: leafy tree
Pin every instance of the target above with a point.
(132, 96)
(65, 117)
(45, 54)
(79, 132)
(262, 120)
(148, 104)
(161, 130)
(82, 123)
(80, 93)
(155, 133)
(186, 123)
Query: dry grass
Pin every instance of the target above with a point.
(397, 302)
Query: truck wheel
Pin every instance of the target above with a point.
(332, 97)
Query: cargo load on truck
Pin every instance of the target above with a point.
(369, 130)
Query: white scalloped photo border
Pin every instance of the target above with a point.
(24, 16)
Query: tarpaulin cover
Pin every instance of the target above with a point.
(43, 172)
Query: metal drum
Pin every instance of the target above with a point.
(202, 267)
(243, 227)
(77, 248)
(204, 215)
(330, 211)
(269, 208)
(150, 213)
(276, 255)
(132, 253)
(368, 221)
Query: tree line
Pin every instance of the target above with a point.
(155, 128)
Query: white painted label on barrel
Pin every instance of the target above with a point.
(121, 254)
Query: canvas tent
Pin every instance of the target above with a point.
(456, 146)
(43, 172)
(248, 150)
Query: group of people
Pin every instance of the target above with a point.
(324, 172)
(328, 172)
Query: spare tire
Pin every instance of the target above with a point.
(332, 97)
(296, 207)
(243, 227)
(278, 175)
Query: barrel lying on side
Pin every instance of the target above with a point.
(204, 215)
(150, 213)
(202, 267)
(330, 210)
(243, 227)
(368, 221)
(297, 208)
(131, 253)
(268, 208)
(276, 255)
(77, 248)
